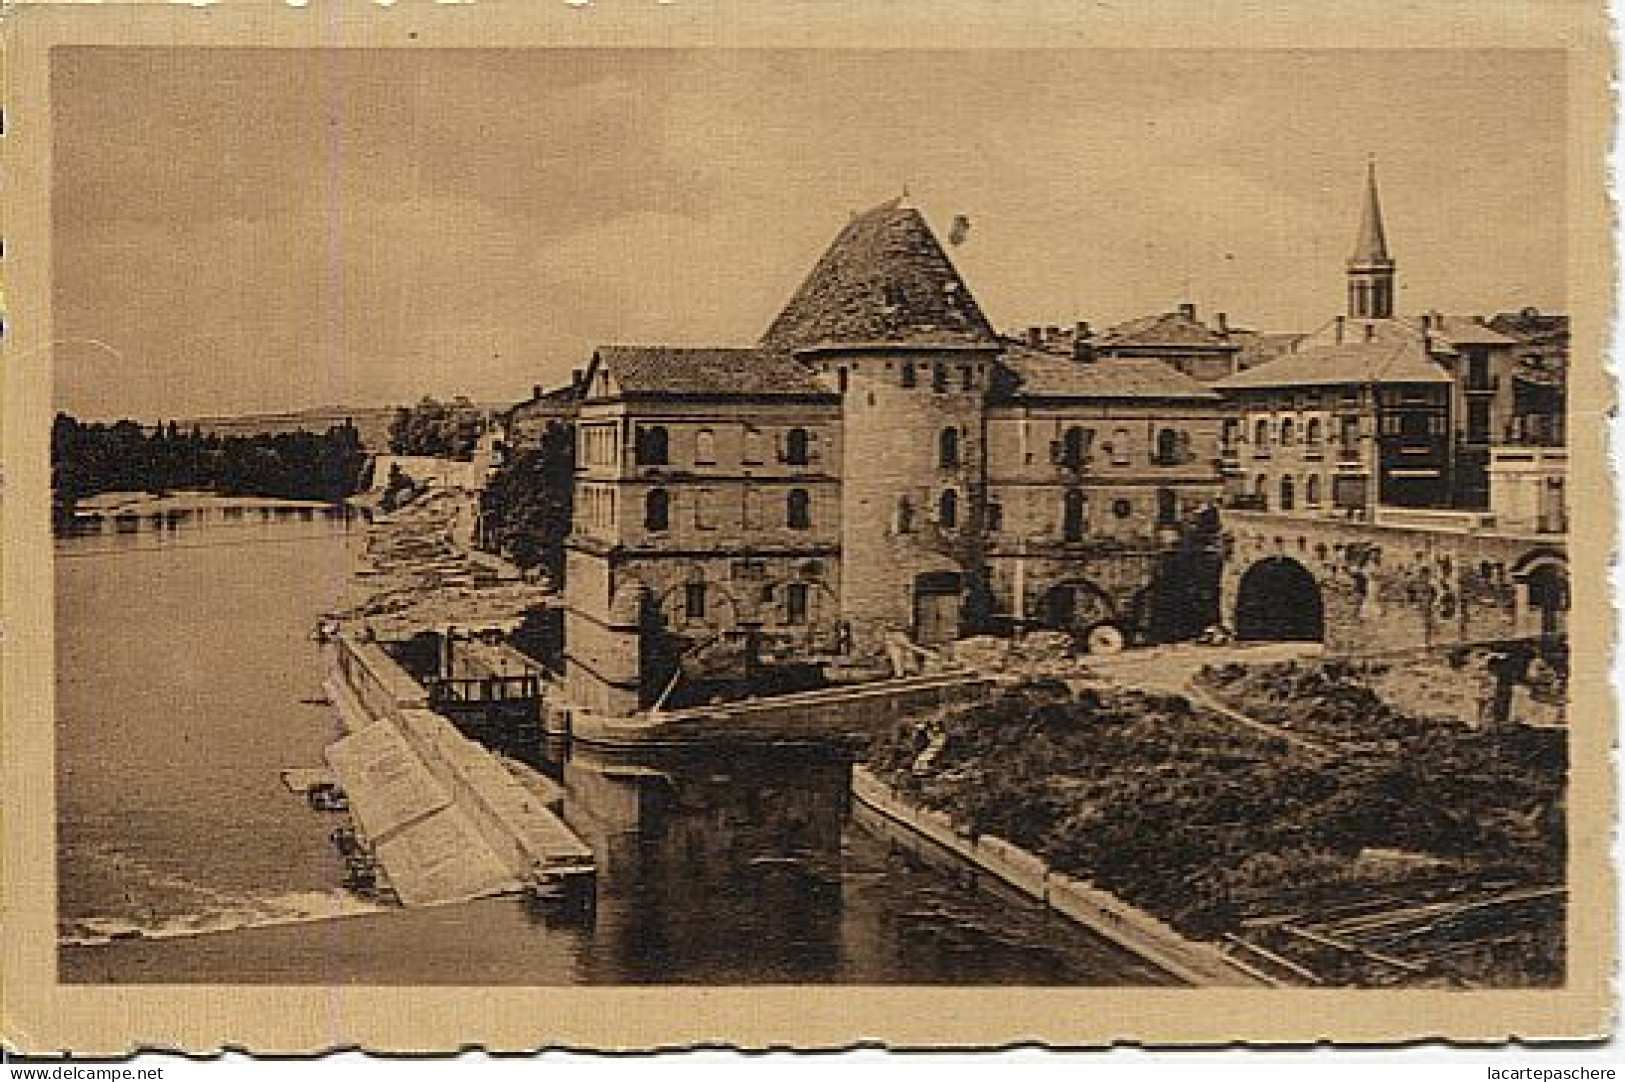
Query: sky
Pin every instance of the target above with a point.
(239, 230)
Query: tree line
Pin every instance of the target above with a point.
(437, 429)
(90, 458)
(525, 508)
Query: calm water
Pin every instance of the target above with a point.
(187, 680)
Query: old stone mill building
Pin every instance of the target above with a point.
(883, 467)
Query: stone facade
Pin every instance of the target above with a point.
(882, 465)
(1379, 588)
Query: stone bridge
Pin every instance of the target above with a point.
(1365, 587)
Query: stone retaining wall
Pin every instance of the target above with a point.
(1102, 912)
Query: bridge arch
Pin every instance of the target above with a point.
(1278, 599)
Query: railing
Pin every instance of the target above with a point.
(483, 689)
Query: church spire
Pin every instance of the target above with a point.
(1370, 268)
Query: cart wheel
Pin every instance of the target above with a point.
(1104, 639)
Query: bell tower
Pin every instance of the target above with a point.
(1370, 268)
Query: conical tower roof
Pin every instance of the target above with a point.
(884, 281)
(1371, 246)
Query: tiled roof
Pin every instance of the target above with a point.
(1166, 329)
(679, 370)
(1259, 348)
(1038, 374)
(1468, 331)
(1385, 359)
(885, 279)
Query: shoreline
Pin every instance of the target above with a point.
(1148, 938)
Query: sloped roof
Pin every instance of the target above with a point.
(1391, 359)
(1036, 373)
(1258, 347)
(884, 280)
(1166, 329)
(682, 370)
(1468, 331)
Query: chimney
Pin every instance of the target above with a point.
(1188, 310)
(576, 376)
(1035, 337)
(1338, 331)
(1221, 322)
(1052, 334)
(1081, 331)
(536, 391)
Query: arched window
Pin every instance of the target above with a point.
(652, 446)
(910, 376)
(705, 447)
(797, 447)
(694, 600)
(1167, 507)
(1286, 431)
(1074, 447)
(1286, 494)
(1312, 433)
(1167, 446)
(939, 377)
(948, 449)
(840, 379)
(948, 509)
(1073, 509)
(753, 445)
(1261, 433)
(657, 510)
(1311, 491)
(904, 522)
(798, 509)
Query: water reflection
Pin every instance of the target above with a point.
(722, 860)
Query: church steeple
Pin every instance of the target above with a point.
(1370, 268)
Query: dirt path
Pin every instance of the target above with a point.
(1172, 670)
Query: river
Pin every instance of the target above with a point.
(187, 680)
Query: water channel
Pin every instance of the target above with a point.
(187, 680)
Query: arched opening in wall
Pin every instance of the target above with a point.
(1074, 447)
(656, 510)
(1075, 606)
(1288, 496)
(948, 449)
(948, 510)
(1278, 600)
(1548, 592)
(797, 447)
(1167, 452)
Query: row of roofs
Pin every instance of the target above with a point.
(886, 282)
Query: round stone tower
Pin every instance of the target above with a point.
(886, 320)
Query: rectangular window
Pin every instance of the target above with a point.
(705, 509)
(694, 600)
(939, 377)
(755, 444)
(995, 517)
(750, 508)
(795, 603)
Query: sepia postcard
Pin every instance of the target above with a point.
(644, 525)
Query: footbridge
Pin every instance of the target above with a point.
(1418, 581)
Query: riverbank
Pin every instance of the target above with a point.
(1232, 834)
(1185, 960)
